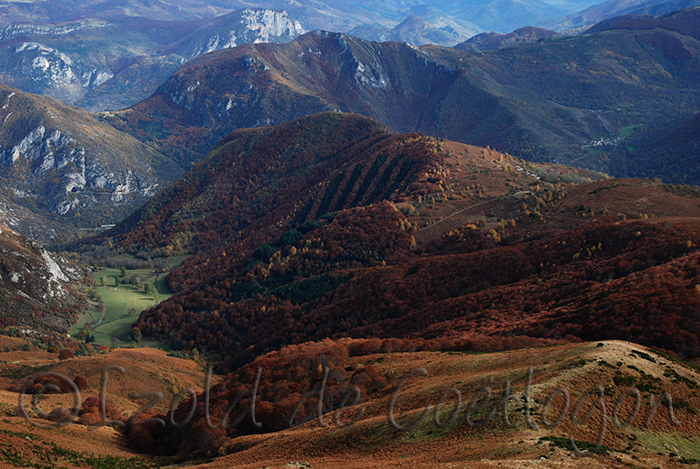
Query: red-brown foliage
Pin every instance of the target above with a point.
(90, 413)
(145, 433)
(631, 281)
(81, 383)
(290, 380)
(46, 384)
(259, 183)
(368, 378)
(288, 391)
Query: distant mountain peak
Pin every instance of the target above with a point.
(583, 20)
(414, 22)
(249, 25)
(417, 30)
(493, 40)
(686, 21)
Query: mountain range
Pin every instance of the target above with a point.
(105, 55)
(498, 98)
(579, 22)
(111, 63)
(262, 84)
(604, 103)
(685, 22)
(338, 16)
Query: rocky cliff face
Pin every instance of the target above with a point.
(242, 27)
(35, 285)
(53, 153)
(29, 29)
(38, 67)
(63, 162)
(28, 223)
(109, 64)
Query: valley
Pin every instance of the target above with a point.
(121, 303)
(118, 297)
(349, 235)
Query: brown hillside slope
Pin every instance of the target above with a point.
(260, 183)
(76, 444)
(372, 440)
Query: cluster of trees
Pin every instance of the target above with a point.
(124, 279)
(106, 255)
(465, 239)
(85, 335)
(48, 384)
(138, 283)
(52, 344)
(65, 347)
(91, 412)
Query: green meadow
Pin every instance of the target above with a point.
(628, 131)
(123, 304)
